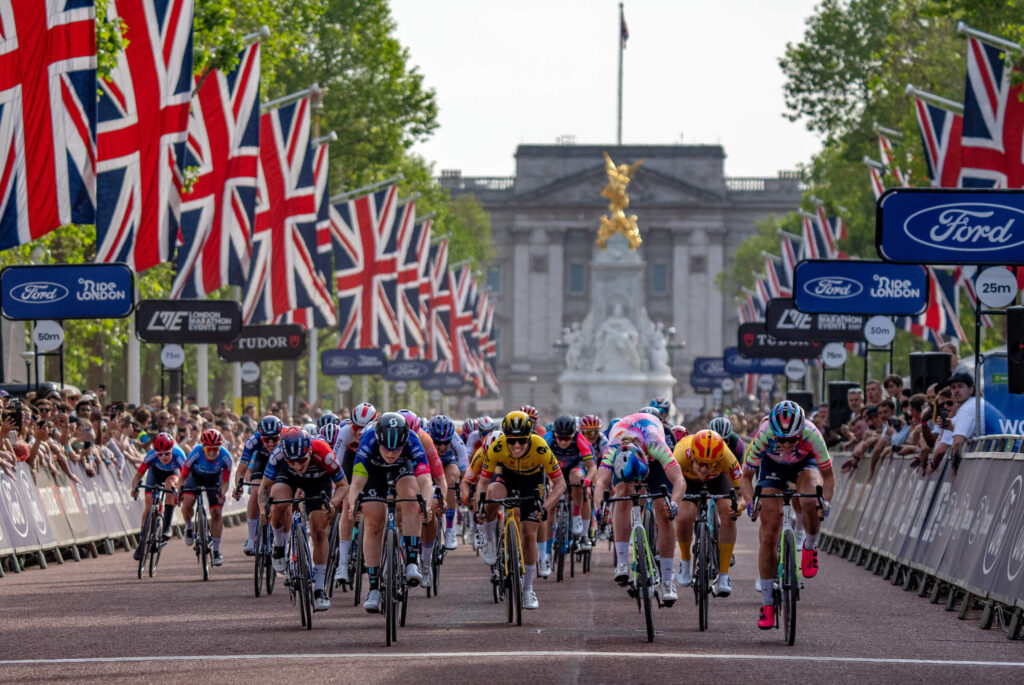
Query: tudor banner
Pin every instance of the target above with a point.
(851, 286)
(188, 321)
(950, 226)
(279, 342)
(754, 341)
(785, 322)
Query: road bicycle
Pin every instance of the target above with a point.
(705, 548)
(787, 585)
(507, 571)
(438, 551)
(201, 527)
(299, 571)
(394, 586)
(151, 535)
(644, 578)
(264, 574)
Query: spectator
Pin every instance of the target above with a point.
(940, 428)
(854, 398)
(962, 425)
(873, 393)
(894, 386)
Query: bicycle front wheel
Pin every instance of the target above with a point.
(390, 577)
(701, 576)
(303, 576)
(644, 582)
(156, 538)
(332, 556)
(561, 541)
(268, 565)
(145, 545)
(203, 537)
(515, 576)
(260, 544)
(790, 586)
(651, 529)
(356, 561)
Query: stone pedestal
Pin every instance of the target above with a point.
(617, 359)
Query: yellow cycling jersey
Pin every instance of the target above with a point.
(473, 472)
(727, 463)
(537, 458)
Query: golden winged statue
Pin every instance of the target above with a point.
(618, 178)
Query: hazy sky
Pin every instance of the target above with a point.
(533, 70)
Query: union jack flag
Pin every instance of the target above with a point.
(940, 320)
(217, 215)
(485, 324)
(993, 123)
(776, 278)
(790, 256)
(941, 133)
(755, 305)
(324, 314)
(366, 270)
(282, 275)
(142, 128)
(47, 117)
(414, 250)
(764, 293)
(437, 304)
(889, 158)
(877, 186)
(827, 234)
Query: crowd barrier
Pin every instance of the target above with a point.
(51, 514)
(957, 533)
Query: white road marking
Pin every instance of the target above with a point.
(518, 655)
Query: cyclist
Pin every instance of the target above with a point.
(390, 453)
(524, 459)
(786, 449)
(468, 426)
(704, 457)
(664, 407)
(484, 425)
(254, 459)
(328, 418)
(468, 486)
(208, 466)
(723, 426)
(308, 464)
(576, 458)
(428, 533)
(680, 432)
(363, 414)
(452, 452)
(161, 466)
(534, 415)
(645, 432)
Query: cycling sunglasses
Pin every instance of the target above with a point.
(517, 441)
(787, 441)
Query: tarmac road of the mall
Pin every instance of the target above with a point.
(94, 620)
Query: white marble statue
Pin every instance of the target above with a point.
(617, 344)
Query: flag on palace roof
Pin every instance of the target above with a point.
(142, 126)
(47, 117)
(217, 215)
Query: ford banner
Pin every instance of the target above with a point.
(711, 367)
(851, 286)
(408, 369)
(442, 381)
(67, 291)
(737, 364)
(352, 362)
(950, 226)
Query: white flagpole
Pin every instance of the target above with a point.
(622, 46)
(134, 384)
(203, 375)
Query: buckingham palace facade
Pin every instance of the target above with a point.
(544, 223)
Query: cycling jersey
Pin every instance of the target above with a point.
(322, 464)
(348, 438)
(198, 463)
(473, 472)
(368, 457)
(811, 446)
(152, 461)
(602, 444)
(455, 452)
(648, 434)
(569, 457)
(536, 460)
(254, 454)
(734, 442)
(436, 467)
(727, 464)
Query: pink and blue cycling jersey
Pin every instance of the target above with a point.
(645, 429)
(764, 446)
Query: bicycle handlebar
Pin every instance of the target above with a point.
(787, 495)
(704, 495)
(635, 497)
(362, 497)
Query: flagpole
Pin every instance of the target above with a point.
(365, 189)
(622, 46)
(313, 90)
(255, 37)
(936, 100)
(872, 163)
(312, 389)
(962, 27)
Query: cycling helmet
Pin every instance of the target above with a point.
(392, 430)
(662, 405)
(327, 419)
(517, 424)
(653, 411)
(485, 424)
(441, 428)
(786, 419)
(330, 434)
(270, 426)
(363, 414)
(590, 422)
(211, 437)
(309, 428)
(469, 425)
(530, 411)
(411, 419)
(491, 438)
(163, 442)
(721, 425)
(629, 463)
(679, 432)
(295, 443)
(707, 447)
(565, 426)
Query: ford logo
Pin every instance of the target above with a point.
(39, 292)
(833, 287)
(966, 227)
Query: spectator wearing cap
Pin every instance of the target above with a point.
(943, 410)
(963, 422)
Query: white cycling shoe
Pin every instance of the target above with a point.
(544, 568)
(413, 575)
(668, 591)
(724, 588)
(372, 603)
(683, 574)
(622, 572)
(320, 601)
(450, 542)
(490, 553)
(530, 599)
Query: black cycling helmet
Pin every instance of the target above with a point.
(327, 419)
(392, 431)
(565, 426)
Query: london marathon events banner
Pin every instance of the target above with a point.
(784, 321)
(67, 291)
(188, 321)
(847, 286)
(950, 226)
